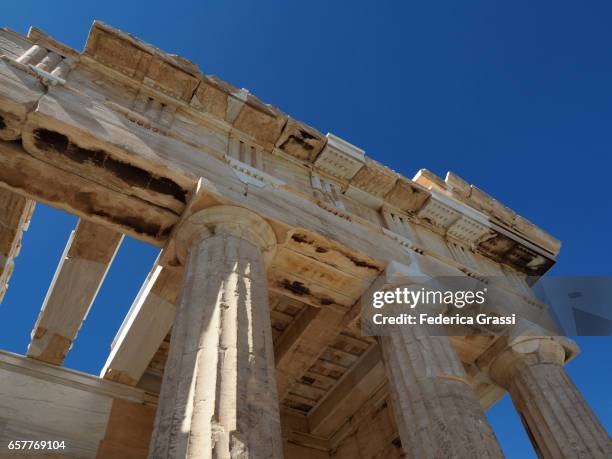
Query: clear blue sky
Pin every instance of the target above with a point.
(514, 96)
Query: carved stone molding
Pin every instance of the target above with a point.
(525, 351)
(340, 159)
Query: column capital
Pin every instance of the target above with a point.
(525, 351)
(558, 420)
(225, 220)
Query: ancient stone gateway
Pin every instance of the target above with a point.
(244, 341)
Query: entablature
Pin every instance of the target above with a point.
(152, 117)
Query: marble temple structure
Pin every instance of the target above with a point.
(245, 339)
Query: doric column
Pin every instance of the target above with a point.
(219, 398)
(558, 420)
(437, 412)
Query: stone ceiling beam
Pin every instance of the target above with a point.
(351, 391)
(145, 326)
(303, 342)
(87, 257)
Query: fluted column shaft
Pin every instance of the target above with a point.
(437, 412)
(218, 397)
(558, 420)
